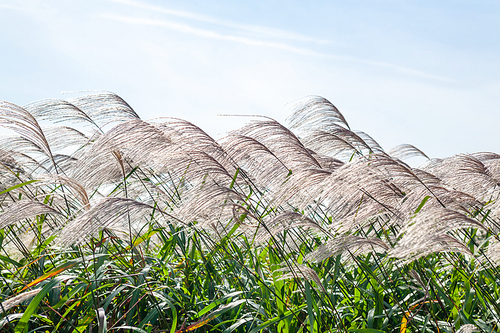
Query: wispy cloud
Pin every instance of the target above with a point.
(409, 71)
(263, 32)
(207, 33)
(186, 28)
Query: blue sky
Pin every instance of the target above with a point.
(418, 72)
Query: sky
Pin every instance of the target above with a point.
(425, 73)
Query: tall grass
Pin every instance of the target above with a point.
(115, 224)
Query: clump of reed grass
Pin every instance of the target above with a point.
(313, 226)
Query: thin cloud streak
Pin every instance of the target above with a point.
(265, 31)
(205, 33)
(185, 28)
(408, 71)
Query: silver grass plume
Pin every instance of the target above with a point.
(104, 107)
(405, 151)
(303, 272)
(22, 145)
(493, 252)
(7, 158)
(15, 159)
(486, 156)
(282, 222)
(427, 178)
(348, 193)
(454, 200)
(18, 162)
(9, 318)
(11, 171)
(324, 129)
(22, 210)
(431, 231)
(192, 140)
(355, 189)
(57, 111)
(466, 173)
(62, 137)
(24, 124)
(491, 161)
(468, 328)
(337, 141)
(315, 111)
(374, 145)
(106, 159)
(109, 169)
(423, 286)
(185, 133)
(75, 187)
(493, 220)
(397, 171)
(257, 162)
(197, 166)
(13, 301)
(302, 187)
(106, 212)
(347, 246)
(210, 205)
(138, 143)
(147, 191)
(65, 164)
(327, 162)
(281, 142)
(434, 244)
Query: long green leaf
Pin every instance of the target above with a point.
(23, 322)
(274, 320)
(18, 186)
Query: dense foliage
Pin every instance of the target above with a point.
(112, 223)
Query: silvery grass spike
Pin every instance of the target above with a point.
(336, 142)
(209, 203)
(74, 186)
(104, 107)
(302, 272)
(315, 111)
(25, 125)
(405, 151)
(24, 209)
(192, 138)
(110, 155)
(106, 212)
(97, 109)
(282, 142)
(493, 252)
(420, 200)
(13, 301)
(282, 222)
(62, 137)
(257, 162)
(347, 246)
(430, 232)
(466, 173)
(423, 286)
(468, 328)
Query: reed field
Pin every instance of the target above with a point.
(110, 223)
